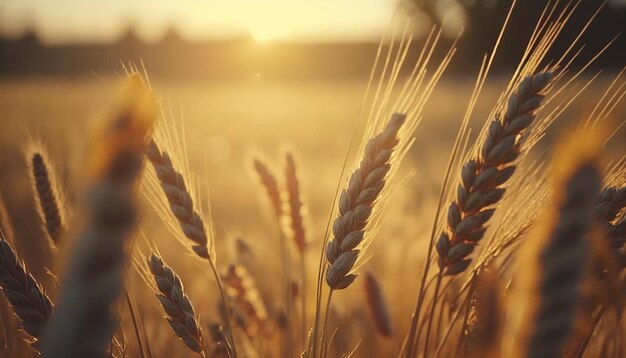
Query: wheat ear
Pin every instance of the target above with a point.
(181, 203)
(295, 204)
(356, 203)
(25, 295)
(176, 304)
(243, 292)
(47, 198)
(612, 200)
(270, 185)
(559, 249)
(483, 177)
(84, 321)
(378, 306)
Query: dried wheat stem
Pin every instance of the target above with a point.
(357, 202)
(176, 304)
(270, 185)
(47, 198)
(25, 295)
(179, 198)
(483, 178)
(84, 321)
(298, 231)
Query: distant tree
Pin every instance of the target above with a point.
(483, 19)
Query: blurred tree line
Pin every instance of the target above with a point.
(481, 21)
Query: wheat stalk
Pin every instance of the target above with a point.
(25, 295)
(84, 321)
(270, 186)
(221, 349)
(178, 308)
(356, 203)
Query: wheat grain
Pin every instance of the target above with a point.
(356, 203)
(483, 177)
(178, 308)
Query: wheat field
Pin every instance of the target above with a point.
(417, 214)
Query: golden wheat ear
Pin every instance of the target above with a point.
(242, 291)
(179, 199)
(84, 322)
(25, 295)
(357, 202)
(178, 308)
(559, 249)
(49, 199)
(483, 178)
(378, 307)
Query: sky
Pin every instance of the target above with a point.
(59, 21)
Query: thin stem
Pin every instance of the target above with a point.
(583, 346)
(229, 313)
(432, 313)
(461, 342)
(450, 327)
(287, 286)
(326, 314)
(135, 326)
(303, 295)
(411, 341)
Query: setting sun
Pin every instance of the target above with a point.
(268, 33)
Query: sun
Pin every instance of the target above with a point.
(268, 33)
